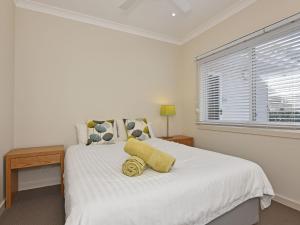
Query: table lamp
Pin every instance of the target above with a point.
(167, 110)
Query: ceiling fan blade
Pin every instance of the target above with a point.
(184, 5)
(127, 4)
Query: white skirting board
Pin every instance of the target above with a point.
(288, 202)
(38, 183)
(2, 207)
(39, 177)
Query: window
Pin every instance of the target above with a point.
(256, 82)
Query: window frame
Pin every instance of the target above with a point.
(246, 42)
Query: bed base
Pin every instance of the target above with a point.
(246, 213)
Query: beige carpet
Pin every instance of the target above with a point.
(45, 206)
(42, 206)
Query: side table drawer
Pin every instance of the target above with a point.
(188, 142)
(24, 162)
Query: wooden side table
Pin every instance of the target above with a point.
(30, 157)
(181, 139)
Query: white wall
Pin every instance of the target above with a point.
(278, 155)
(67, 72)
(6, 83)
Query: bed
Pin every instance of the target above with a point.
(203, 187)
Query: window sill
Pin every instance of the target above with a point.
(261, 131)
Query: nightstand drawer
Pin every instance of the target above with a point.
(181, 139)
(188, 142)
(35, 161)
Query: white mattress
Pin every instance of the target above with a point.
(201, 186)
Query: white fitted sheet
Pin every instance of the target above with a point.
(202, 186)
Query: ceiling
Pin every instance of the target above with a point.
(149, 18)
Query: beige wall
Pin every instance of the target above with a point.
(67, 72)
(6, 82)
(279, 157)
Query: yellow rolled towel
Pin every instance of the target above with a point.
(154, 158)
(133, 166)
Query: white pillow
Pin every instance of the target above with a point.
(151, 130)
(81, 130)
(122, 134)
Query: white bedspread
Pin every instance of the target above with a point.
(201, 186)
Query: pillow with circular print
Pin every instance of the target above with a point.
(137, 128)
(101, 132)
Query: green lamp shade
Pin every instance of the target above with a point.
(167, 110)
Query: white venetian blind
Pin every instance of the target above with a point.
(256, 82)
(222, 101)
(276, 72)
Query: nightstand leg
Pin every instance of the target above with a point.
(15, 182)
(8, 185)
(11, 184)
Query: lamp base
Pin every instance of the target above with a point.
(167, 126)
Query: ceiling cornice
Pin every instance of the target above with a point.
(225, 14)
(72, 15)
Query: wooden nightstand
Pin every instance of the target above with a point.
(30, 157)
(181, 139)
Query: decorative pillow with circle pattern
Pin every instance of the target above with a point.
(137, 128)
(100, 132)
